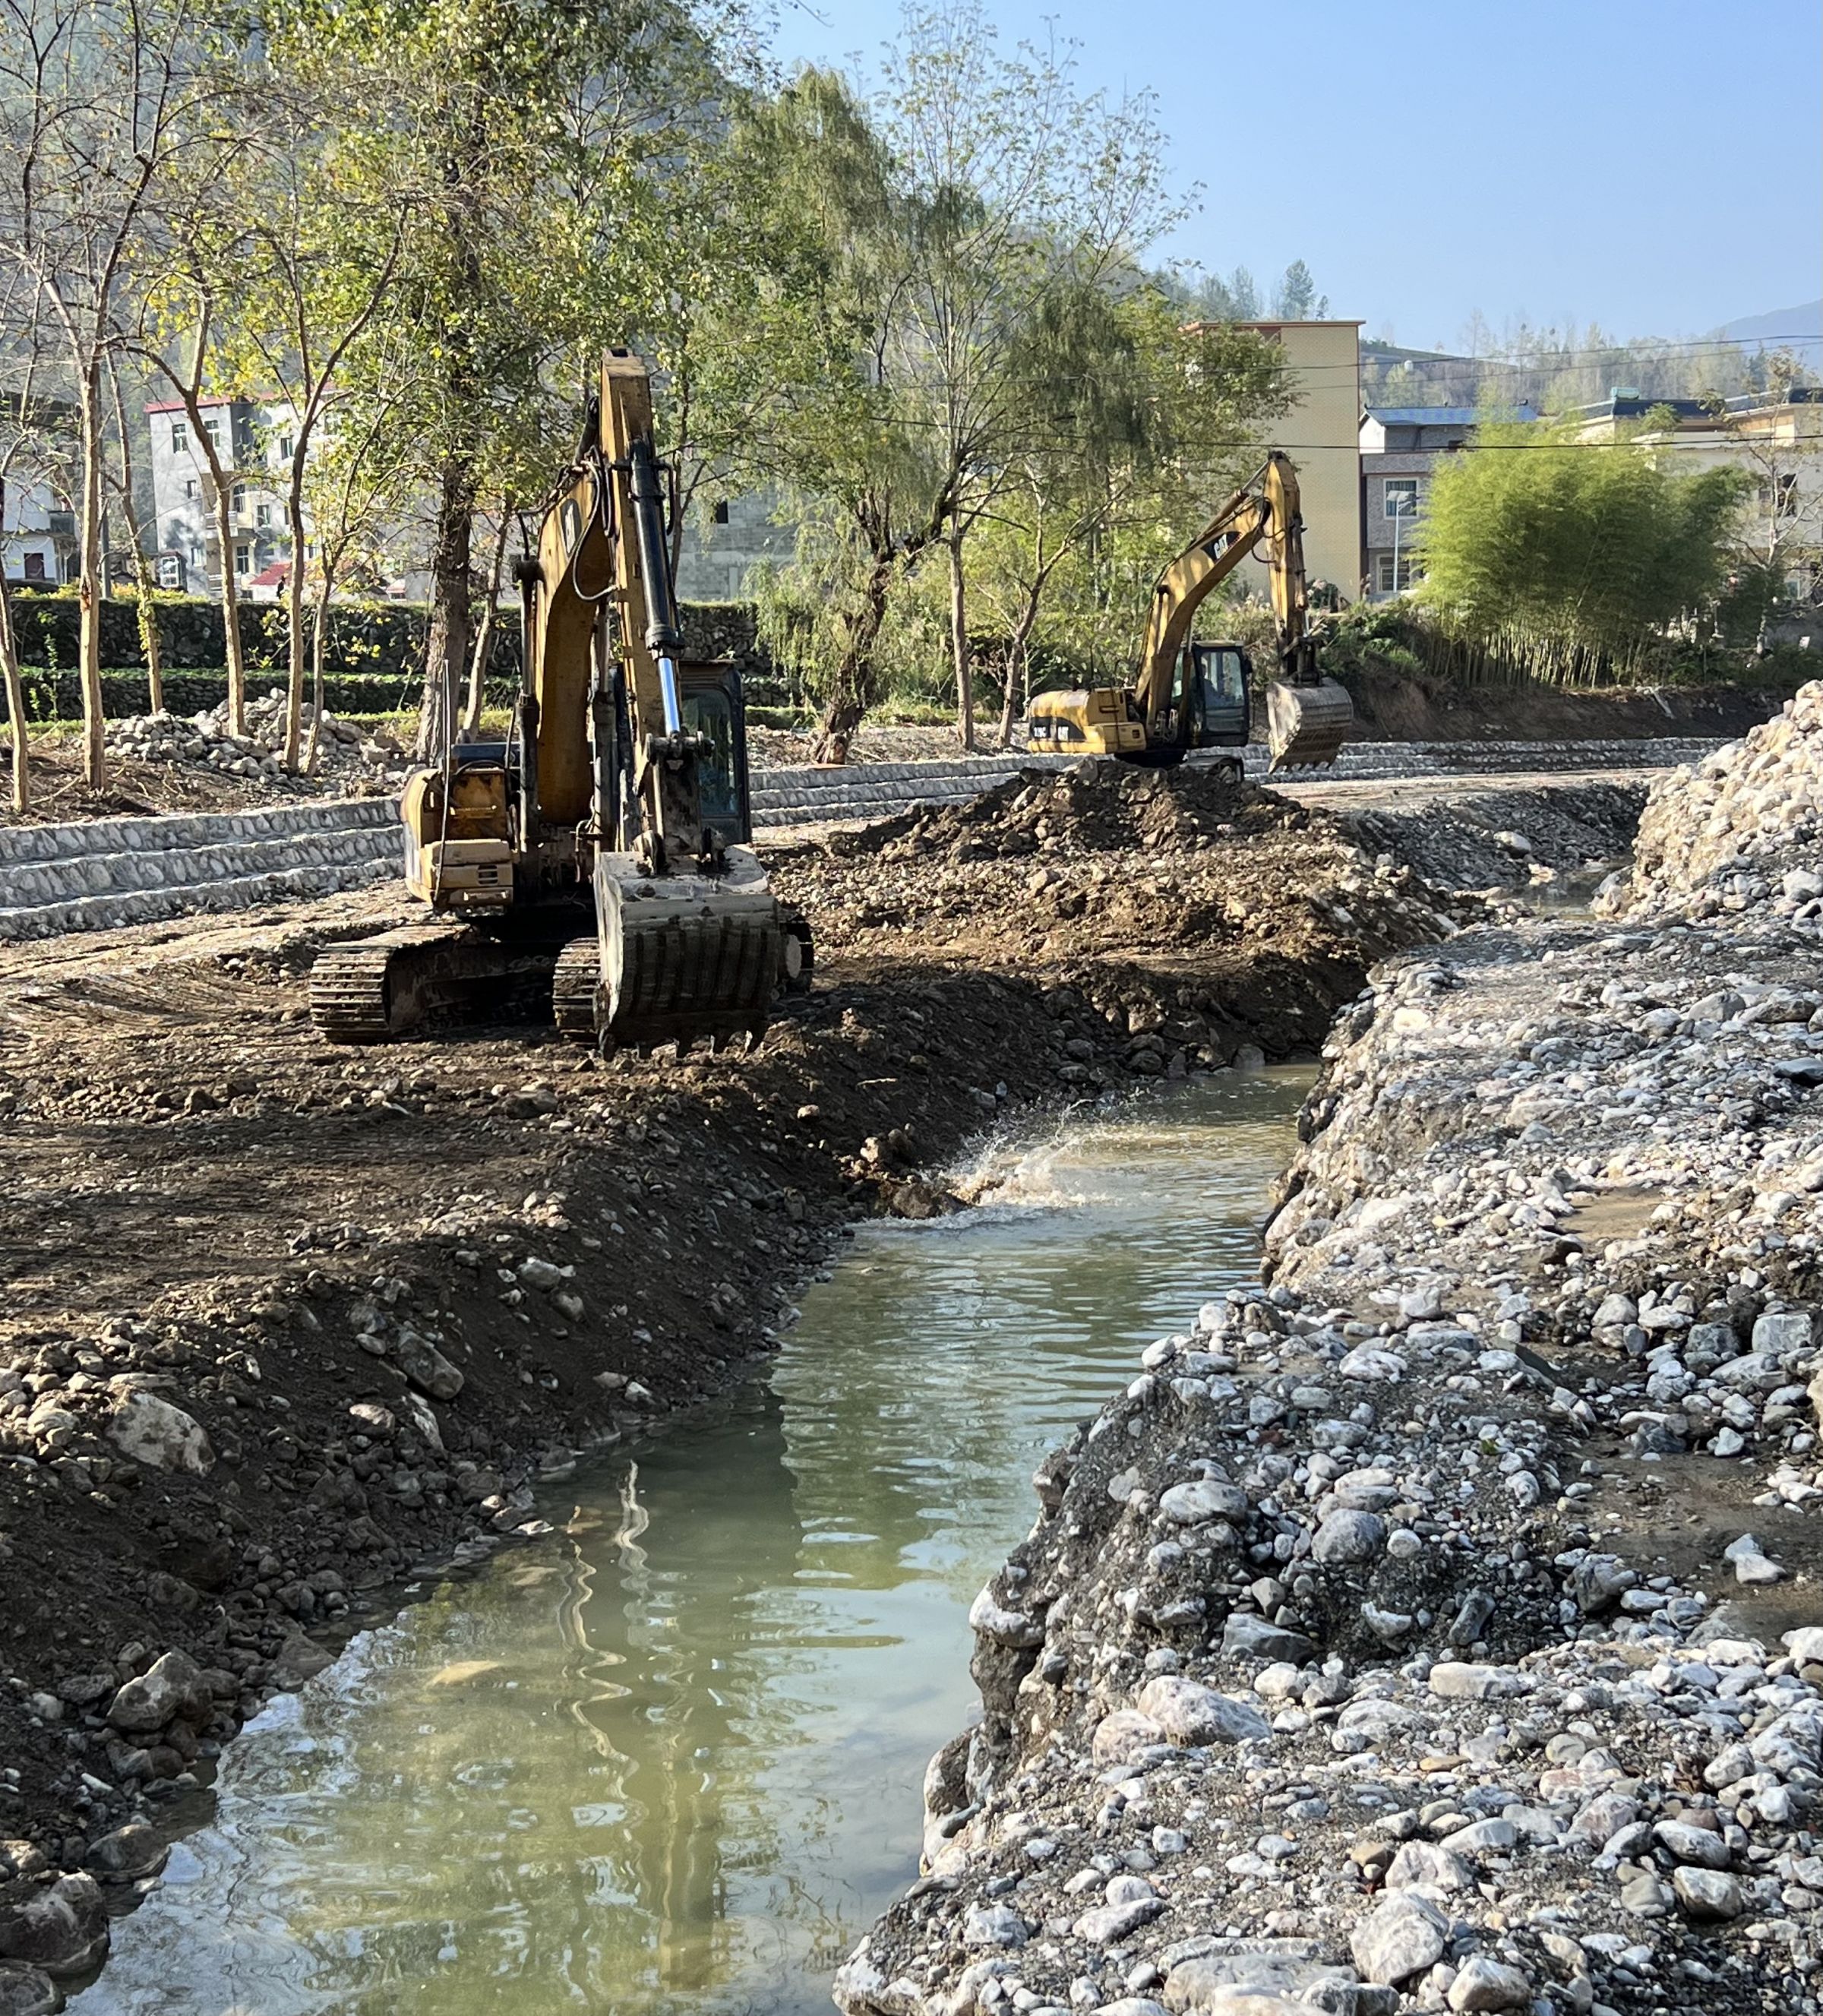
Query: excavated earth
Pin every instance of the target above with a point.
(283, 1322)
(1437, 1625)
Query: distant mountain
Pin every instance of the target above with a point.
(1799, 329)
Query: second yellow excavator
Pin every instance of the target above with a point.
(1187, 695)
(593, 868)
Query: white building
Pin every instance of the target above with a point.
(37, 537)
(253, 441)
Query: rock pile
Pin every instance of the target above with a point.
(1743, 829)
(346, 759)
(1435, 1626)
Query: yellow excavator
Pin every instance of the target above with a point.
(1189, 696)
(593, 868)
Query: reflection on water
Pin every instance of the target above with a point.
(669, 1758)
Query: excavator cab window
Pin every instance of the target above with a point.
(713, 705)
(1218, 677)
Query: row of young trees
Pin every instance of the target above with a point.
(921, 314)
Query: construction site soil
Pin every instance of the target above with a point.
(284, 1322)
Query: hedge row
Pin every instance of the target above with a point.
(374, 662)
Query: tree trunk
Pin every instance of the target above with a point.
(318, 650)
(144, 579)
(446, 649)
(1017, 667)
(232, 652)
(963, 657)
(856, 675)
(89, 586)
(484, 648)
(15, 688)
(294, 622)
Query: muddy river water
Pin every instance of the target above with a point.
(668, 1758)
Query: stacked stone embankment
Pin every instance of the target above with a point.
(1437, 1626)
(97, 874)
(1740, 828)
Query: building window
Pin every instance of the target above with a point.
(190, 487)
(239, 500)
(180, 437)
(1408, 574)
(243, 558)
(212, 427)
(262, 515)
(34, 567)
(1786, 494)
(722, 512)
(284, 445)
(1401, 497)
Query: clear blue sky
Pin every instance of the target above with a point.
(1653, 165)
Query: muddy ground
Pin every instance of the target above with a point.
(388, 1287)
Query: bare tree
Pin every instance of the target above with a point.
(19, 448)
(99, 100)
(145, 578)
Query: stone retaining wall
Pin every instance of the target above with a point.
(96, 874)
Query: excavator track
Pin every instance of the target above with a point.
(376, 990)
(573, 988)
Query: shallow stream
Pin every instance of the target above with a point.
(667, 1759)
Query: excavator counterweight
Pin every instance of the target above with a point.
(594, 867)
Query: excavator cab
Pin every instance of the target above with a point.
(1218, 679)
(714, 707)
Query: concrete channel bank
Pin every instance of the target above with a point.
(1438, 1626)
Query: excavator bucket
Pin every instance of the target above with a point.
(677, 958)
(1306, 725)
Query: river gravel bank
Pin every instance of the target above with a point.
(1438, 1627)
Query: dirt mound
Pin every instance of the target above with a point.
(1099, 807)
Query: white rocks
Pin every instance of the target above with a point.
(1373, 1364)
(1205, 1498)
(1349, 1536)
(1191, 1714)
(1488, 1837)
(992, 1925)
(1119, 1737)
(1428, 1866)
(1701, 1846)
(162, 1437)
(1482, 1983)
(60, 1928)
(1454, 1680)
(1399, 1938)
(1806, 1643)
(170, 1687)
(1708, 1893)
(1752, 1565)
(1107, 1925)
(989, 1618)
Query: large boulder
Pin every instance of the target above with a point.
(170, 1689)
(1191, 1714)
(162, 1437)
(60, 1926)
